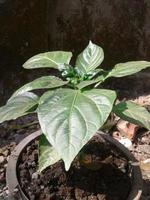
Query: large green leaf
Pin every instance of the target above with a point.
(69, 118)
(52, 59)
(89, 59)
(47, 154)
(41, 83)
(133, 113)
(128, 68)
(18, 106)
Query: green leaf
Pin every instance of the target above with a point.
(96, 71)
(52, 59)
(47, 154)
(69, 118)
(133, 113)
(98, 80)
(41, 83)
(86, 83)
(18, 106)
(89, 59)
(45, 97)
(128, 68)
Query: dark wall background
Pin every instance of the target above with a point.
(121, 27)
(23, 33)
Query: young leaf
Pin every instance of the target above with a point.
(89, 59)
(47, 154)
(86, 83)
(69, 118)
(41, 83)
(18, 106)
(133, 113)
(52, 59)
(98, 80)
(128, 68)
(96, 71)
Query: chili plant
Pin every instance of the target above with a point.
(70, 112)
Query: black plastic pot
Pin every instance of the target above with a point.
(17, 193)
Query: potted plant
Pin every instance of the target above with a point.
(71, 112)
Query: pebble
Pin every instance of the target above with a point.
(1, 170)
(5, 188)
(145, 165)
(35, 175)
(145, 139)
(92, 197)
(33, 164)
(126, 142)
(1, 194)
(101, 197)
(5, 166)
(2, 159)
(7, 158)
(42, 187)
(7, 191)
(6, 152)
(16, 190)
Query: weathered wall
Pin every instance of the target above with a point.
(23, 33)
(121, 27)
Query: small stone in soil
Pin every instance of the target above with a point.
(101, 197)
(7, 158)
(42, 187)
(5, 166)
(2, 159)
(1, 170)
(6, 152)
(35, 175)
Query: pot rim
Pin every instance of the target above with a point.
(15, 188)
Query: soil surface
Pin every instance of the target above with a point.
(11, 133)
(107, 180)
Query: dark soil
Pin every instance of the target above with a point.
(108, 180)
